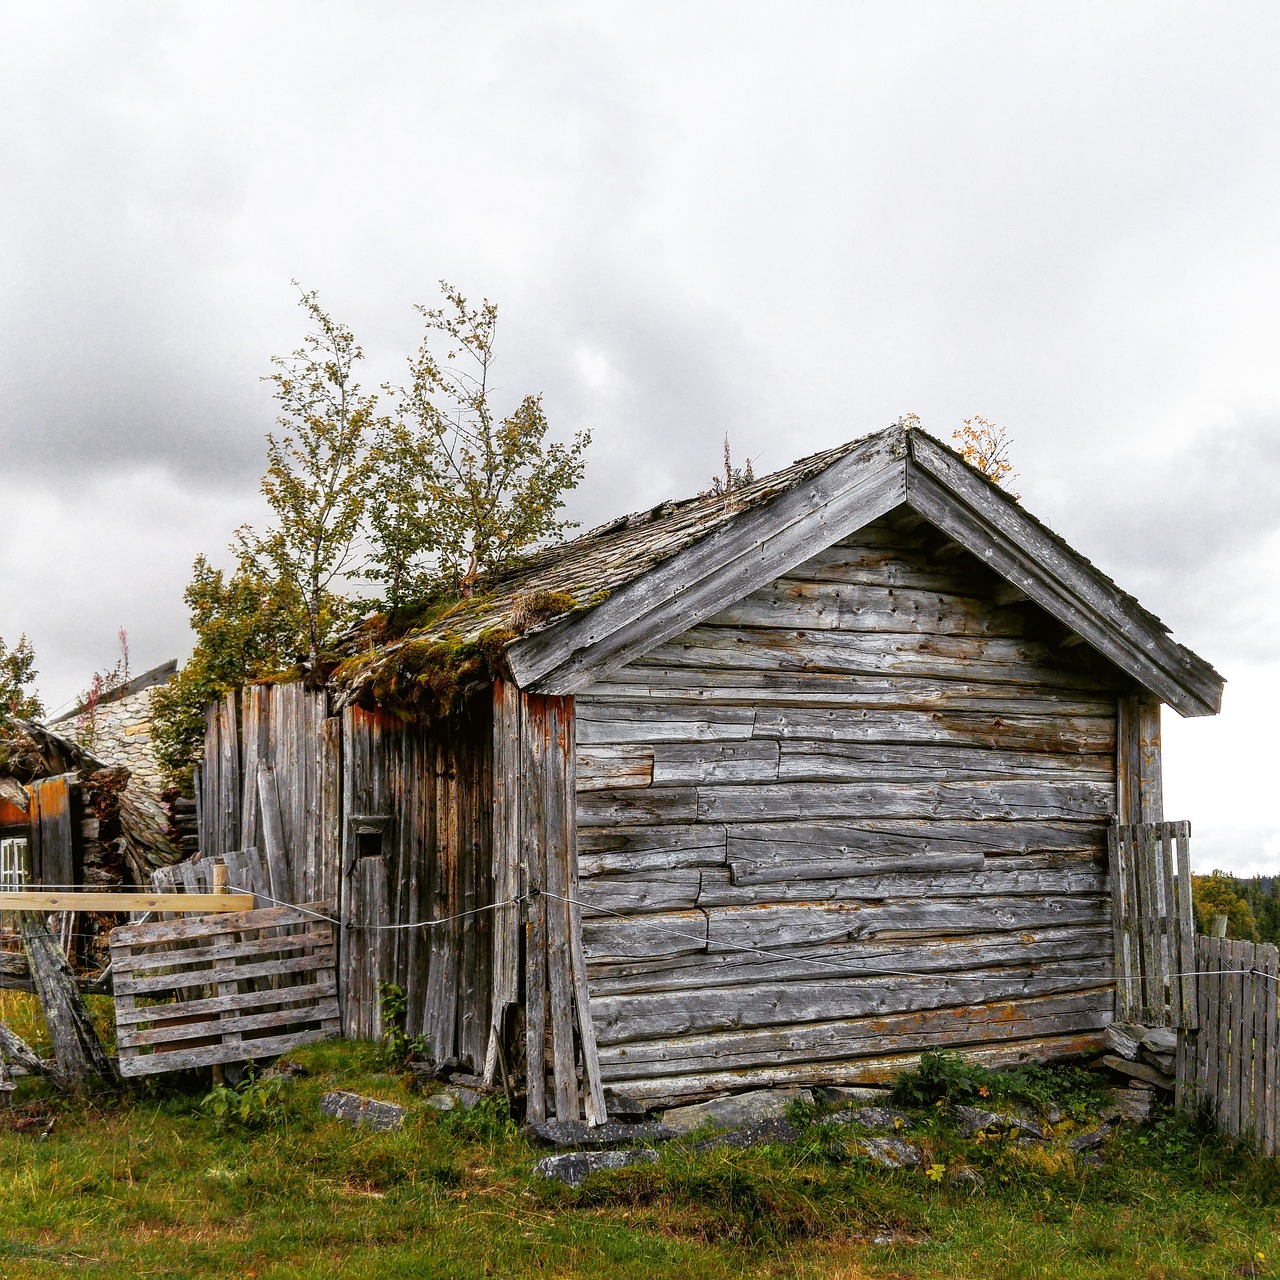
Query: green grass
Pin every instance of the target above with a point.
(149, 1184)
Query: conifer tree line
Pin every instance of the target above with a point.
(425, 491)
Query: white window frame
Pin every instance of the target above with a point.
(15, 869)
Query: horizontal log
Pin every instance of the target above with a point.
(891, 566)
(135, 1064)
(811, 761)
(771, 843)
(802, 924)
(1058, 1014)
(677, 764)
(87, 900)
(648, 681)
(655, 890)
(655, 806)
(825, 606)
(987, 658)
(717, 887)
(644, 937)
(611, 723)
(1050, 734)
(662, 1015)
(607, 849)
(611, 767)
(1048, 798)
(963, 952)
(658, 1091)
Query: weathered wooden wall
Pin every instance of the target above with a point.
(391, 822)
(885, 763)
(434, 790)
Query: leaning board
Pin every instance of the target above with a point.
(226, 988)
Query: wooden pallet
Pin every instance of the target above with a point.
(226, 988)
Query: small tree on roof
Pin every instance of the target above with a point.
(985, 445)
(17, 672)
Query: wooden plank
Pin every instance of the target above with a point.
(606, 768)
(330, 868)
(89, 900)
(1244, 1025)
(1233, 1018)
(210, 1055)
(1119, 914)
(1186, 927)
(1271, 1088)
(1171, 993)
(635, 894)
(273, 835)
(602, 850)
(661, 1015)
(617, 724)
(962, 953)
(199, 927)
(56, 865)
(1006, 800)
(141, 982)
(505, 855)
(657, 806)
(816, 761)
(548, 717)
(134, 959)
(531, 809)
(228, 798)
(681, 764)
(849, 866)
(1150, 772)
(923, 725)
(320, 1001)
(1257, 1046)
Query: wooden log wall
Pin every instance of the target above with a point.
(858, 814)
(416, 846)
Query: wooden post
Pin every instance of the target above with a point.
(1218, 927)
(76, 1047)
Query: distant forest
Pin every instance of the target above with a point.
(1252, 906)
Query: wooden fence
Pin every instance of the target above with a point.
(225, 988)
(1153, 924)
(1231, 1065)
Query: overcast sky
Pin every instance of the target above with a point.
(790, 222)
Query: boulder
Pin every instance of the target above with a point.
(1092, 1139)
(1124, 1038)
(873, 1118)
(454, 1097)
(1129, 1104)
(842, 1095)
(735, 1110)
(890, 1153)
(775, 1132)
(574, 1167)
(352, 1109)
(974, 1120)
(1138, 1071)
(577, 1135)
(1161, 1040)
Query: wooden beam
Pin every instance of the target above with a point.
(25, 900)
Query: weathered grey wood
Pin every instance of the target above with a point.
(649, 680)
(273, 835)
(15, 1051)
(1119, 917)
(652, 805)
(506, 875)
(724, 566)
(792, 602)
(646, 937)
(194, 927)
(602, 850)
(1056, 734)
(533, 862)
(328, 883)
(212, 1054)
(76, 1047)
(1171, 994)
(617, 723)
(1181, 832)
(220, 959)
(660, 1015)
(53, 866)
(1049, 799)
(1271, 1065)
(996, 1020)
(229, 774)
(1057, 579)
(269, 944)
(1257, 1042)
(606, 768)
(963, 953)
(668, 1090)
(677, 764)
(817, 761)
(648, 891)
(1150, 769)
(788, 870)
(993, 659)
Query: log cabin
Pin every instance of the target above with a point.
(780, 786)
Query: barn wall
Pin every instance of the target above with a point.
(876, 767)
(389, 823)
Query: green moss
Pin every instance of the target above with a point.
(537, 607)
(427, 680)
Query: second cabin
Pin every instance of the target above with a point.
(784, 786)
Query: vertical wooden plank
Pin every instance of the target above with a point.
(1220, 1008)
(1257, 1044)
(1232, 1029)
(442, 1006)
(593, 1087)
(210, 810)
(556, 817)
(51, 817)
(229, 771)
(1128, 762)
(273, 835)
(1186, 927)
(1171, 987)
(330, 868)
(531, 806)
(1150, 769)
(1115, 851)
(1152, 996)
(505, 862)
(251, 724)
(1271, 1088)
(1133, 898)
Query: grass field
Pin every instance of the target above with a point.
(151, 1184)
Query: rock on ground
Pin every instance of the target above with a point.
(778, 1132)
(574, 1167)
(454, 1098)
(735, 1110)
(873, 1118)
(973, 1120)
(841, 1095)
(890, 1153)
(580, 1136)
(352, 1109)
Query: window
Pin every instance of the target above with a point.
(14, 872)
